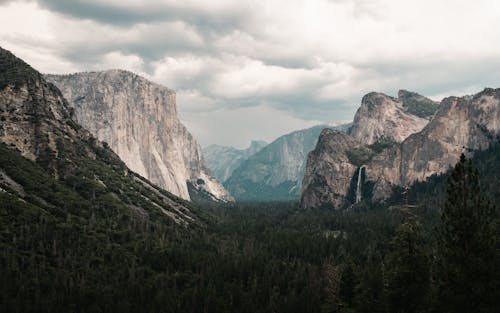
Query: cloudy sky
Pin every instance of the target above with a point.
(249, 69)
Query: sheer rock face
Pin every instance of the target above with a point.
(328, 171)
(224, 160)
(460, 125)
(138, 119)
(381, 117)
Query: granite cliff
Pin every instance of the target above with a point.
(384, 118)
(459, 125)
(138, 119)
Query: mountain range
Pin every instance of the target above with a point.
(275, 172)
(390, 146)
(223, 160)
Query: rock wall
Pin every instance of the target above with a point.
(138, 119)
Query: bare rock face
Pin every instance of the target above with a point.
(381, 117)
(138, 119)
(460, 125)
(329, 171)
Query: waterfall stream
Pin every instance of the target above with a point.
(359, 192)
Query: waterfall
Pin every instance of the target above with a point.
(359, 192)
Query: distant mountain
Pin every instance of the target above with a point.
(223, 160)
(138, 119)
(275, 172)
(384, 118)
(372, 165)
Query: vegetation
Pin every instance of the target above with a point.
(420, 106)
(359, 156)
(14, 71)
(72, 244)
(252, 258)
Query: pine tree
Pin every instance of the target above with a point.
(408, 268)
(466, 265)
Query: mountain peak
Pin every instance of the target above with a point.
(15, 71)
(381, 117)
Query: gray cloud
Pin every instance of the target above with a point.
(304, 62)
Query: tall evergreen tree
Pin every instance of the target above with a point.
(408, 268)
(467, 262)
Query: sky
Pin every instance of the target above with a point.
(253, 70)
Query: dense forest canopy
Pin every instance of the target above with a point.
(71, 250)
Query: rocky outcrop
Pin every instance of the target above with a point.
(33, 113)
(222, 160)
(138, 119)
(381, 117)
(329, 170)
(275, 173)
(460, 125)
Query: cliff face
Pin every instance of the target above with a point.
(460, 125)
(329, 171)
(138, 119)
(36, 122)
(381, 117)
(222, 160)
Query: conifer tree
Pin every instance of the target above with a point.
(466, 260)
(408, 269)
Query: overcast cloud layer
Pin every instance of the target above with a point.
(248, 69)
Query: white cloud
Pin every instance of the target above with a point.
(239, 127)
(300, 60)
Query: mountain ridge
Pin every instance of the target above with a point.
(459, 125)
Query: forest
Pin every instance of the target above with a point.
(432, 248)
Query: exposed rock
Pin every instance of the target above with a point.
(222, 160)
(138, 119)
(381, 117)
(329, 171)
(36, 122)
(460, 125)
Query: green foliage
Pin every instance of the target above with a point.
(419, 106)
(15, 71)
(90, 241)
(359, 156)
(408, 268)
(381, 144)
(468, 260)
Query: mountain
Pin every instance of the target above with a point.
(53, 164)
(384, 118)
(275, 172)
(463, 124)
(138, 119)
(222, 160)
